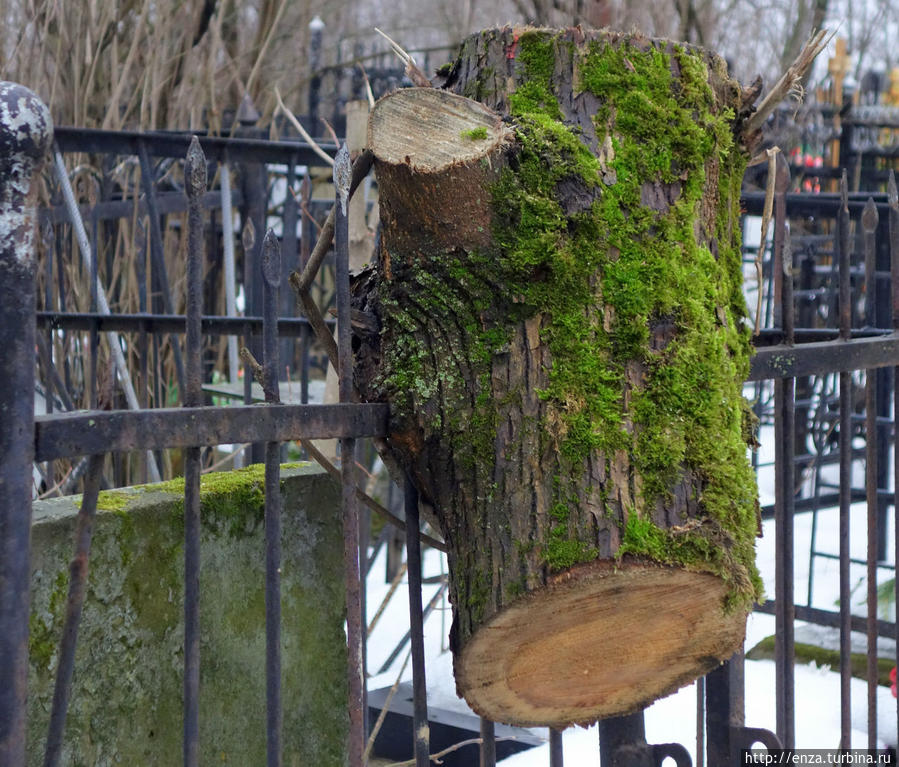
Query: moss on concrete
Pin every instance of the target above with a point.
(823, 656)
(126, 695)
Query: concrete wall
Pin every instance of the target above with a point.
(126, 696)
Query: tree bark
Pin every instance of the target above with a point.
(562, 342)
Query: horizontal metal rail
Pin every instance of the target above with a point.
(164, 144)
(90, 432)
(822, 357)
(167, 323)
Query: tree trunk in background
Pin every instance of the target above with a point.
(563, 344)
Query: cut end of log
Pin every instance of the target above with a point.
(430, 130)
(602, 640)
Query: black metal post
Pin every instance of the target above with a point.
(893, 198)
(869, 227)
(724, 710)
(488, 743)
(556, 758)
(845, 426)
(25, 135)
(271, 275)
(622, 742)
(195, 183)
(253, 187)
(421, 735)
(784, 428)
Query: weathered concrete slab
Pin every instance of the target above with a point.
(126, 696)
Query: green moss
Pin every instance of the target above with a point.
(822, 656)
(112, 500)
(475, 134)
(43, 631)
(687, 412)
(231, 501)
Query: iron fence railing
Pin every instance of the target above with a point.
(809, 364)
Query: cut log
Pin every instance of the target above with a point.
(562, 342)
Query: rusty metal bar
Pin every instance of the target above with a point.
(821, 358)
(173, 144)
(556, 758)
(271, 283)
(306, 239)
(784, 429)
(78, 570)
(893, 197)
(195, 185)
(97, 431)
(845, 426)
(488, 744)
(355, 679)
(25, 135)
(421, 734)
(869, 226)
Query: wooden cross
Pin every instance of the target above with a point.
(838, 68)
(891, 97)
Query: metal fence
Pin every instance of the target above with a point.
(809, 368)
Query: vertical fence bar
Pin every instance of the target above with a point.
(228, 258)
(94, 335)
(556, 758)
(306, 240)
(342, 177)
(845, 322)
(421, 735)
(893, 198)
(700, 716)
(271, 275)
(784, 428)
(160, 278)
(195, 184)
(488, 743)
(289, 260)
(78, 570)
(724, 710)
(869, 226)
(143, 346)
(25, 132)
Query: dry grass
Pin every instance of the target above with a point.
(153, 64)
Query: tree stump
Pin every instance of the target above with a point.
(562, 340)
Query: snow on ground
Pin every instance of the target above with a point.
(673, 719)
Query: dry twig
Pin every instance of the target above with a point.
(301, 130)
(412, 71)
(766, 220)
(455, 747)
(790, 81)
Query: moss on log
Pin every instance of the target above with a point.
(563, 343)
